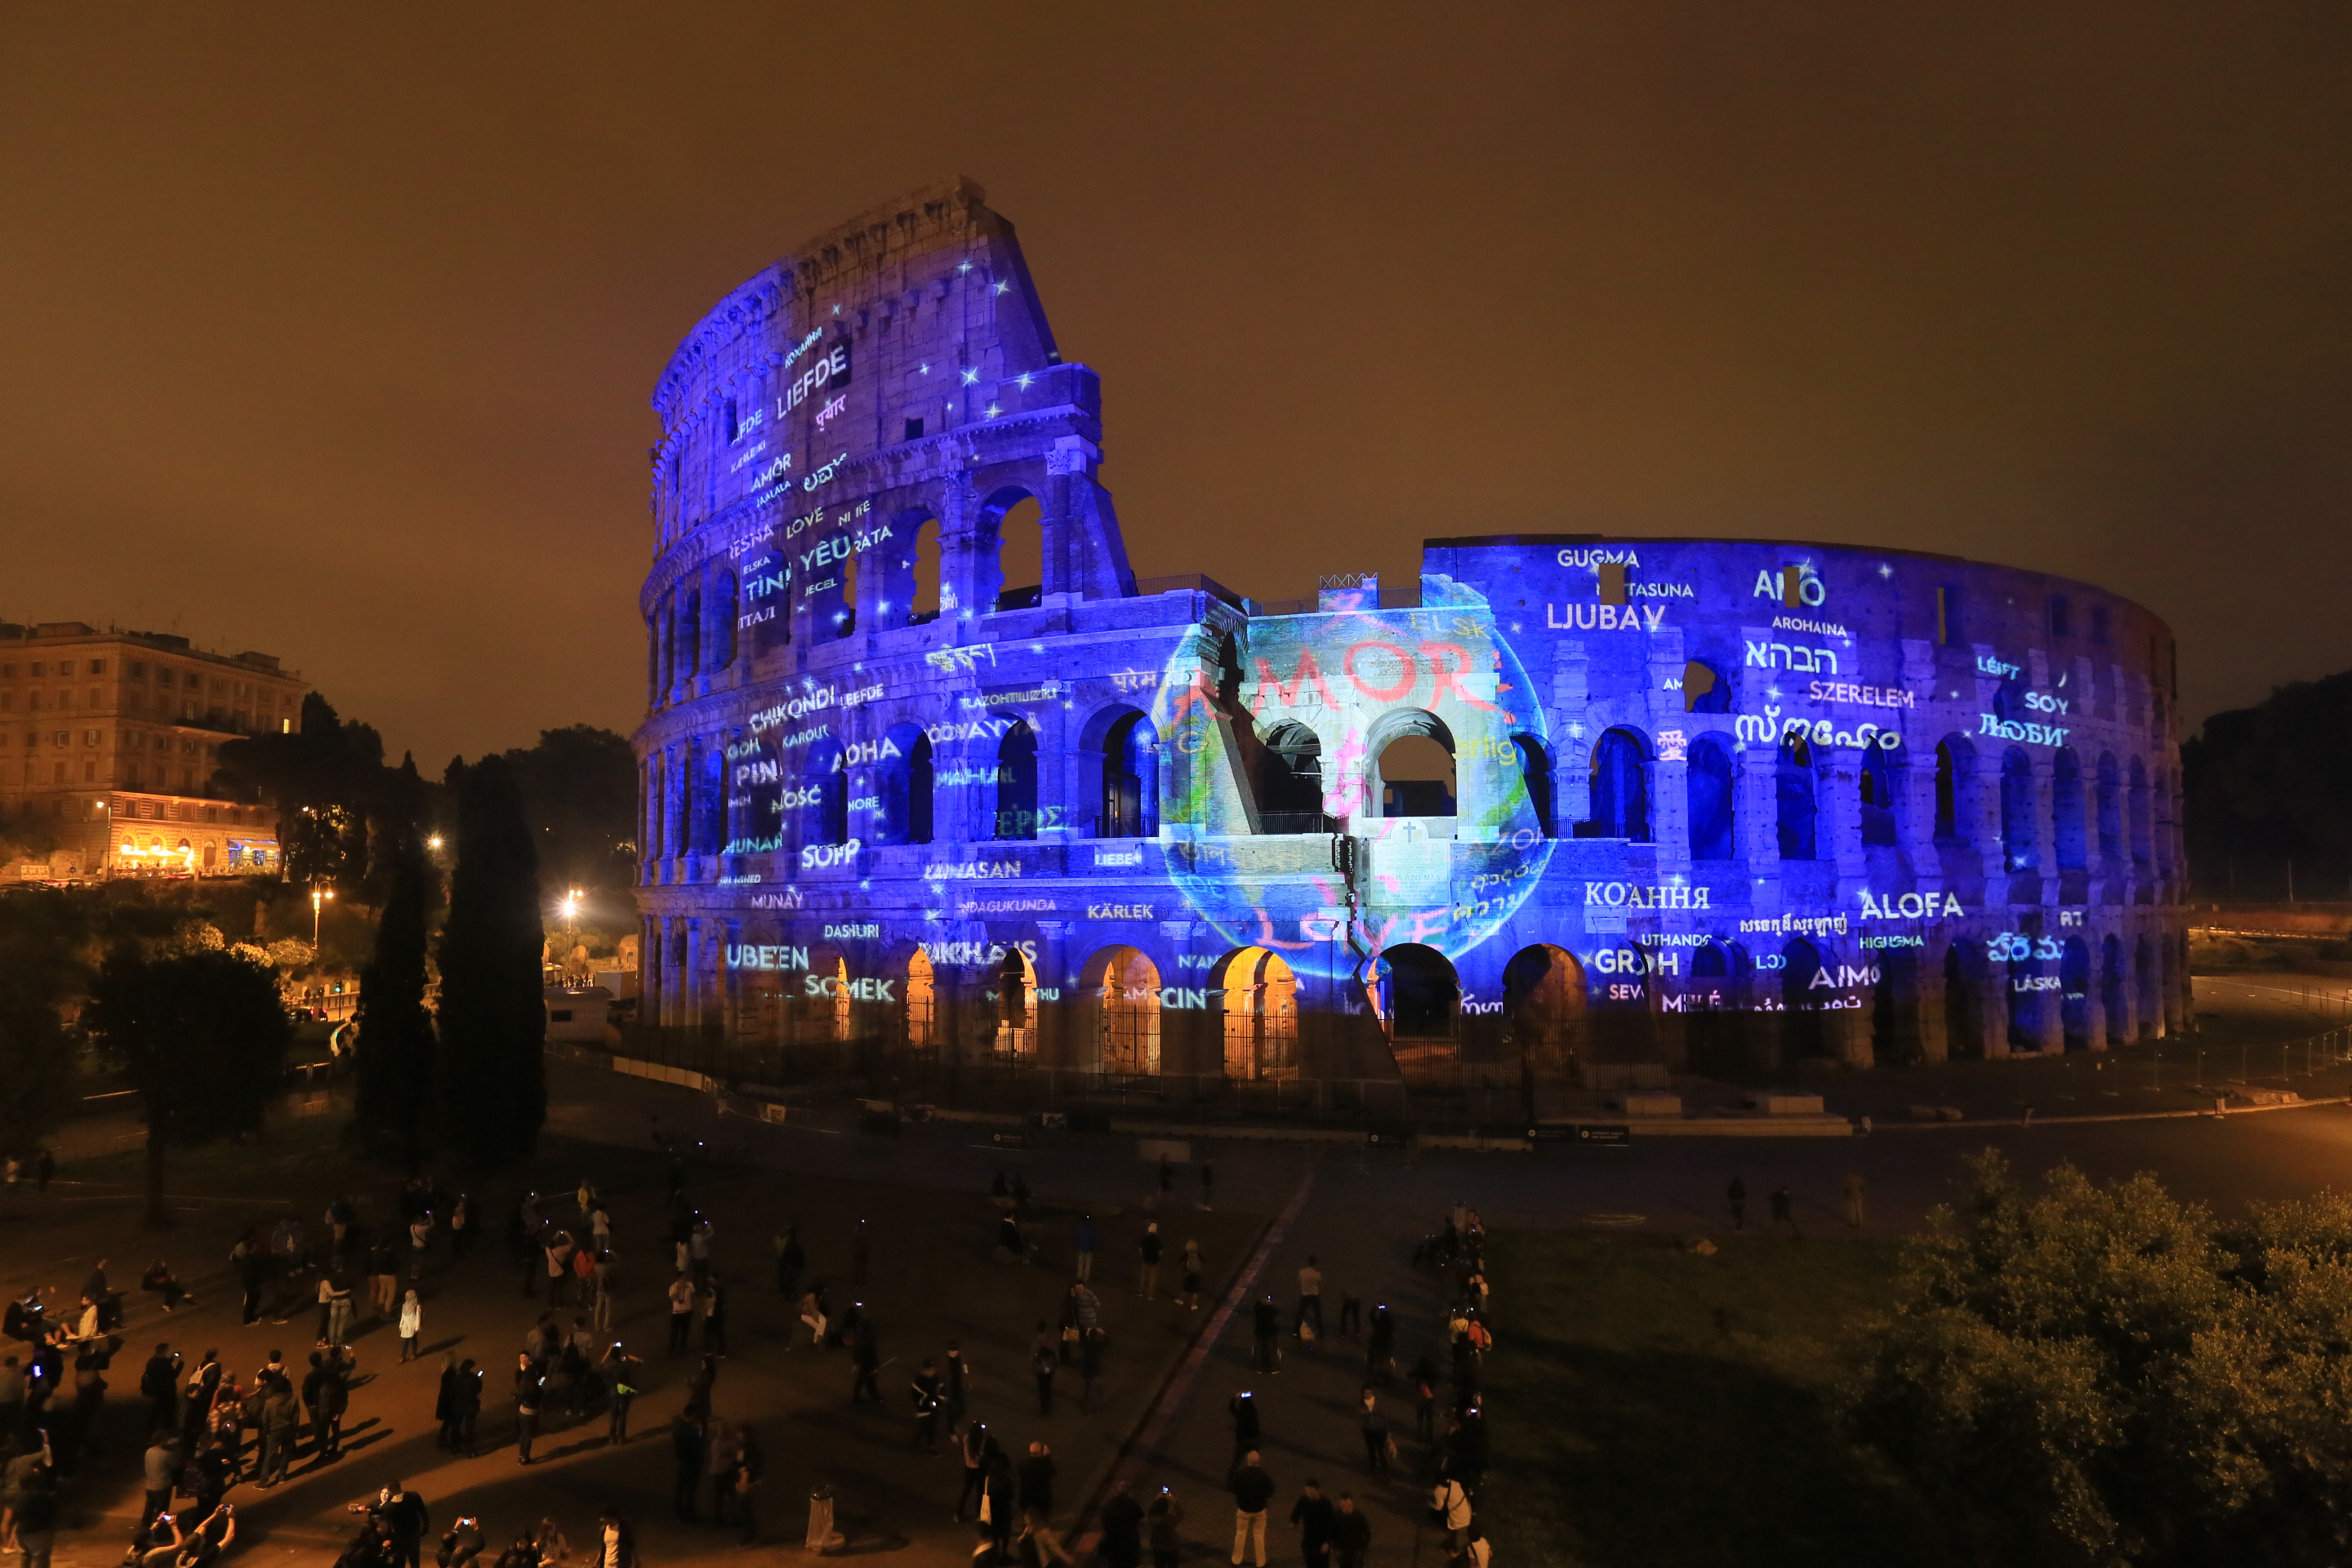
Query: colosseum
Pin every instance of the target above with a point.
(1570, 810)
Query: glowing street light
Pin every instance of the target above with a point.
(434, 844)
(319, 900)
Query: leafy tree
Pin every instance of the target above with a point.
(493, 1019)
(323, 780)
(25, 834)
(579, 789)
(2103, 1376)
(44, 962)
(202, 1035)
(395, 1031)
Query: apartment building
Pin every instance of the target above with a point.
(114, 735)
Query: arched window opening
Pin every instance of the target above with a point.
(1705, 689)
(1016, 1004)
(2020, 813)
(1793, 791)
(722, 622)
(657, 645)
(2140, 839)
(689, 628)
(2022, 983)
(903, 786)
(1543, 998)
(2111, 991)
(707, 814)
(1803, 988)
(1127, 988)
(1948, 826)
(923, 593)
(1535, 777)
(1016, 782)
(1963, 1030)
(1259, 995)
(1877, 795)
(1416, 777)
(922, 1003)
(844, 617)
(1130, 780)
(1714, 809)
(826, 818)
(2110, 810)
(2075, 993)
(1020, 554)
(1291, 784)
(1621, 789)
(1414, 991)
(2066, 810)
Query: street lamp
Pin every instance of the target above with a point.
(434, 844)
(318, 900)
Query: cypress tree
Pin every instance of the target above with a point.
(493, 1023)
(395, 1033)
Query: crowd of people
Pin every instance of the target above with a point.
(211, 1428)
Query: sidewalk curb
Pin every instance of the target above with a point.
(1129, 1462)
(2112, 1116)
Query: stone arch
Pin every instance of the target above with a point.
(1619, 787)
(825, 819)
(1895, 1005)
(903, 786)
(1013, 991)
(2143, 857)
(1797, 800)
(1013, 521)
(2020, 813)
(2151, 989)
(1955, 789)
(1964, 974)
(1710, 780)
(1535, 778)
(1543, 1005)
(2111, 991)
(919, 1012)
(1806, 1033)
(1124, 987)
(2019, 978)
(723, 610)
(1880, 798)
(1291, 797)
(1016, 782)
(912, 590)
(1410, 754)
(2075, 994)
(2110, 810)
(1717, 1041)
(2069, 828)
(1122, 748)
(1705, 687)
(1256, 995)
(1417, 997)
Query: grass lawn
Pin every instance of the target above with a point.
(1657, 1408)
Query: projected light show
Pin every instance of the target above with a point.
(1566, 805)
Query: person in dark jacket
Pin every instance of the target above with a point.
(1246, 1429)
(1351, 1533)
(445, 1402)
(1313, 1514)
(1038, 1473)
(979, 1451)
(1159, 1525)
(1122, 1530)
(1000, 1501)
(686, 1447)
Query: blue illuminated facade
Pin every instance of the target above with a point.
(1570, 803)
